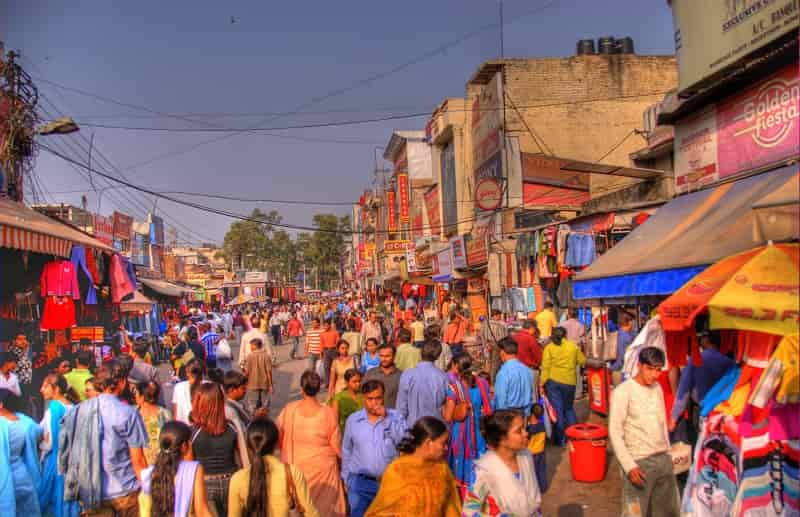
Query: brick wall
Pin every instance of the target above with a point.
(580, 129)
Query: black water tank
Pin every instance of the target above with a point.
(605, 45)
(625, 45)
(585, 47)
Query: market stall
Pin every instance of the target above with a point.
(748, 448)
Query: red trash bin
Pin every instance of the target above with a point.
(587, 452)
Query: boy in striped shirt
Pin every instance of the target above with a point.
(313, 344)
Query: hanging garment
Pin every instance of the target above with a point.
(561, 243)
(130, 271)
(781, 377)
(58, 314)
(769, 481)
(92, 265)
(531, 299)
(120, 281)
(60, 278)
(518, 299)
(78, 258)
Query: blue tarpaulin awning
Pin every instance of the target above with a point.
(685, 236)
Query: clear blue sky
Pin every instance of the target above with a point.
(188, 58)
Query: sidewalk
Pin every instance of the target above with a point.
(568, 498)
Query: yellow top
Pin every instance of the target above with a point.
(278, 496)
(418, 331)
(407, 356)
(537, 442)
(559, 362)
(413, 487)
(546, 321)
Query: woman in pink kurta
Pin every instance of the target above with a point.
(311, 442)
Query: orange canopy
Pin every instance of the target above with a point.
(756, 290)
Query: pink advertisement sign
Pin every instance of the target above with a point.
(760, 126)
(750, 130)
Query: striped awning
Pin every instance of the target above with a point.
(26, 240)
(22, 228)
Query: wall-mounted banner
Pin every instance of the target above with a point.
(391, 211)
(442, 266)
(103, 229)
(403, 196)
(753, 129)
(711, 35)
(459, 252)
(434, 214)
(476, 245)
(123, 226)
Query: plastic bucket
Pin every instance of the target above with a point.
(587, 452)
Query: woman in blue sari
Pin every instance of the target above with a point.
(466, 441)
(59, 397)
(19, 468)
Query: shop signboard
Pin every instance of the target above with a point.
(712, 35)
(753, 129)
(487, 121)
(397, 247)
(255, 276)
(391, 211)
(411, 261)
(488, 195)
(433, 210)
(459, 252)
(476, 245)
(403, 196)
(442, 266)
(449, 202)
(123, 226)
(103, 229)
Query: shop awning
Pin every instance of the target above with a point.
(139, 303)
(165, 288)
(683, 238)
(25, 229)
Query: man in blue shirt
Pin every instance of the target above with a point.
(371, 436)
(423, 389)
(697, 380)
(513, 387)
(210, 340)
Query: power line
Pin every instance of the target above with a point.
(234, 215)
(357, 84)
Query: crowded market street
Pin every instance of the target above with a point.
(440, 259)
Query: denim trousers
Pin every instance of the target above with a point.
(562, 397)
(361, 491)
(295, 353)
(275, 330)
(217, 492)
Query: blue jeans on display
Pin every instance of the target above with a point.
(361, 491)
(562, 397)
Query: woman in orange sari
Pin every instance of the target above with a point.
(310, 441)
(419, 482)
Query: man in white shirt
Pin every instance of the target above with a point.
(253, 333)
(9, 379)
(639, 436)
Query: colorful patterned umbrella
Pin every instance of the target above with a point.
(758, 290)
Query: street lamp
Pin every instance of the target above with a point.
(61, 126)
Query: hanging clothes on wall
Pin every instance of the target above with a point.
(121, 285)
(78, 258)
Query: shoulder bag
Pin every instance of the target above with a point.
(463, 408)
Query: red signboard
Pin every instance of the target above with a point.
(391, 210)
(123, 225)
(432, 207)
(403, 194)
(103, 229)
